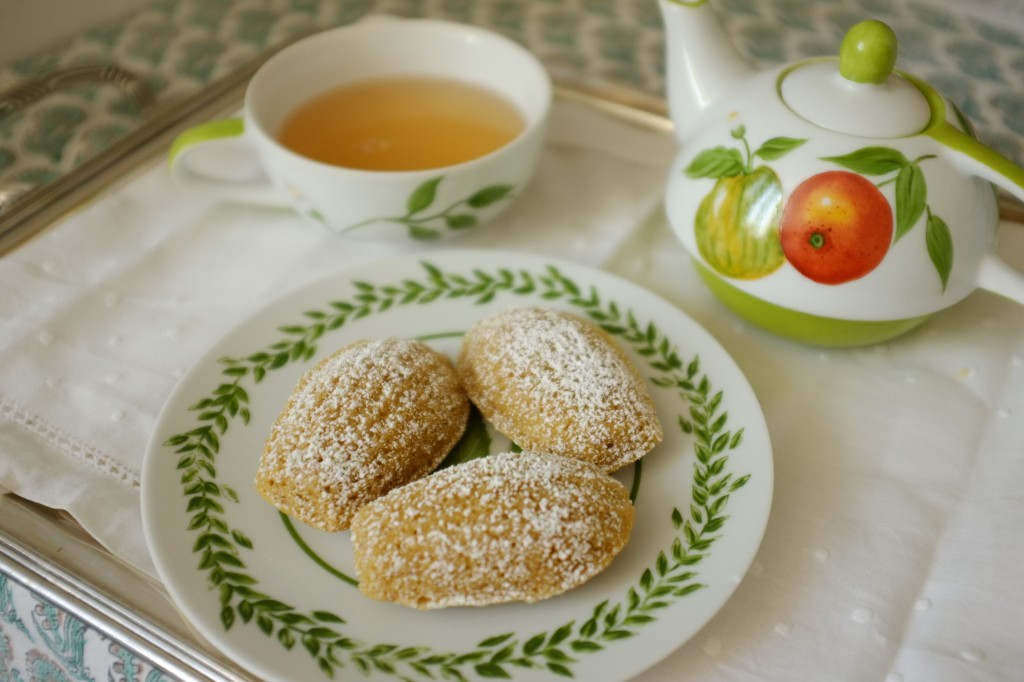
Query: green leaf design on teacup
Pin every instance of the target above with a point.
(423, 196)
(460, 215)
(911, 198)
(489, 195)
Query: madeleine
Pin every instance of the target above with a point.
(373, 416)
(507, 527)
(553, 382)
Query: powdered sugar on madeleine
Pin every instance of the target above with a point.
(507, 527)
(370, 417)
(553, 382)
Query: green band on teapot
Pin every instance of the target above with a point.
(804, 327)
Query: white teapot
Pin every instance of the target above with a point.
(835, 201)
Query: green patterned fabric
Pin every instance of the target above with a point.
(179, 46)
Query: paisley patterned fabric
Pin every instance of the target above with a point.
(41, 643)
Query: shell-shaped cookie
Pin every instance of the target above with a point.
(506, 527)
(553, 382)
(372, 416)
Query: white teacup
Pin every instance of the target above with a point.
(379, 205)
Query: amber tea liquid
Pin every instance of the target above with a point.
(398, 124)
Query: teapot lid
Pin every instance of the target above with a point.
(863, 96)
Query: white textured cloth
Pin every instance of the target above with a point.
(893, 548)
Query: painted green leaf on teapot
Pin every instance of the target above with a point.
(719, 162)
(939, 241)
(911, 198)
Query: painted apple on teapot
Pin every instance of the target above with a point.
(835, 201)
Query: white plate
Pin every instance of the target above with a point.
(274, 595)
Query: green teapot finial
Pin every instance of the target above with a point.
(868, 52)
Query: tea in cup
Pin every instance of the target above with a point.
(385, 129)
(402, 123)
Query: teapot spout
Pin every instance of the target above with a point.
(701, 63)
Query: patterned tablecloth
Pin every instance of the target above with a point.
(175, 48)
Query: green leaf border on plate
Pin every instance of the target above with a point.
(670, 576)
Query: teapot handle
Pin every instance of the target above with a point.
(995, 274)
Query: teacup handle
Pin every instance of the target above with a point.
(227, 134)
(995, 274)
